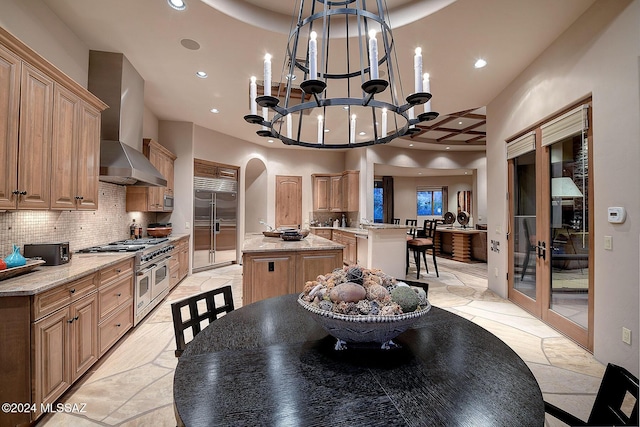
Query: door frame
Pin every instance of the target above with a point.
(541, 306)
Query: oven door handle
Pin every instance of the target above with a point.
(144, 271)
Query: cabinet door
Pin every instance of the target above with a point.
(184, 258)
(10, 68)
(312, 264)
(88, 158)
(268, 276)
(156, 194)
(34, 170)
(64, 170)
(351, 191)
(321, 192)
(336, 194)
(51, 357)
(83, 337)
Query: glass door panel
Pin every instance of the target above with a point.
(523, 258)
(569, 281)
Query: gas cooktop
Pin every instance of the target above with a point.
(126, 245)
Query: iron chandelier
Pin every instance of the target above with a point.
(343, 100)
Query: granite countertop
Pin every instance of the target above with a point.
(363, 229)
(43, 278)
(259, 243)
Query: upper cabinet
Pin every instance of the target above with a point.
(336, 192)
(151, 199)
(49, 134)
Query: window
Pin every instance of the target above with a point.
(377, 201)
(429, 201)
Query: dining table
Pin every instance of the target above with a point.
(270, 364)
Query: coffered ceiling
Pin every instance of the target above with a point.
(228, 39)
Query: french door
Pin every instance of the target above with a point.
(550, 249)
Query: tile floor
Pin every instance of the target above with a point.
(132, 385)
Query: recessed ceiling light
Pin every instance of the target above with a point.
(326, 130)
(480, 63)
(201, 74)
(459, 123)
(362, 133)
(411, 145)
(448, 148)
(270, 141)
(291, 77)
(214, 110)
(346, 107)
(465, 172)
(419, 173)
(177, 4)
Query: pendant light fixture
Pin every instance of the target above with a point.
(342, 53)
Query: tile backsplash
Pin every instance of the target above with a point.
(80, 228)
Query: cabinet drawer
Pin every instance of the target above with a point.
(114, 327)
(61, 296)
(116, 271)
(112, 296)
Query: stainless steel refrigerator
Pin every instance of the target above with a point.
(215, 214)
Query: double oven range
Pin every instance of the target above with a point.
(150, 269)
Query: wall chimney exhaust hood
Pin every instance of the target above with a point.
(113, 79)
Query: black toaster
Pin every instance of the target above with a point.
(51, 253)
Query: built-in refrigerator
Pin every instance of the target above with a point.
(214, 221)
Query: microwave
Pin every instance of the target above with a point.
(51, 253)
(168, 203)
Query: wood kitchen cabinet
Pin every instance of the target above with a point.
(42, 109)
(350, 251)
(65, 342)
(322, 232)
(179, 261)
(336, 192)
(151, 199)
(75, 154)
(115, 303)
(267, 275)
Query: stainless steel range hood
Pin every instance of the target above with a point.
(113, 79)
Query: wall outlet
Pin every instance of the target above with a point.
(626, 335)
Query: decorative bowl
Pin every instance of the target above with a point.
(363, 328)
(273, 233)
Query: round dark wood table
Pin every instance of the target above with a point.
(270, 364)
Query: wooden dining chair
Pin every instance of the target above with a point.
(420, 243)
(616, 403)
(201, 307)
(396, 221)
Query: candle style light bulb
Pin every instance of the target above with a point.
(426, 86)
(313, 56)
(320, 128)
(384, 122)
(352, 134)
(253, 92)
(417, 67)
(373, 54)
(267, 74)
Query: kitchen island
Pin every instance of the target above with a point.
(273, 267)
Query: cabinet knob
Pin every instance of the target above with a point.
(73, 291)
(118, 325)
(70, 320)
(119, 294)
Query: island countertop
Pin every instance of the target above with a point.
(254, 243)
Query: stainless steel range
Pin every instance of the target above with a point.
(150, 267)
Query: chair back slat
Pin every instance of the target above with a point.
(193, 323)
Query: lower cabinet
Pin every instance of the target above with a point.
(65, 346)
(350, 251)
(267, 275)
(322, 232)
(179, 261)
(71, 327)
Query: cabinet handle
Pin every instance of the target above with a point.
(119, 294)
(76, 318)
(23, 193)
(73, 291)
(70, 320)
(118, 325)
(118, 270)
(15, 192)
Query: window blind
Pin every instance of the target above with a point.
(570, 123)
(522, 145)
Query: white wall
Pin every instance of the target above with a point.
(39, 28)
(598, 55)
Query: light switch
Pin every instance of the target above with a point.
(608, 243)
